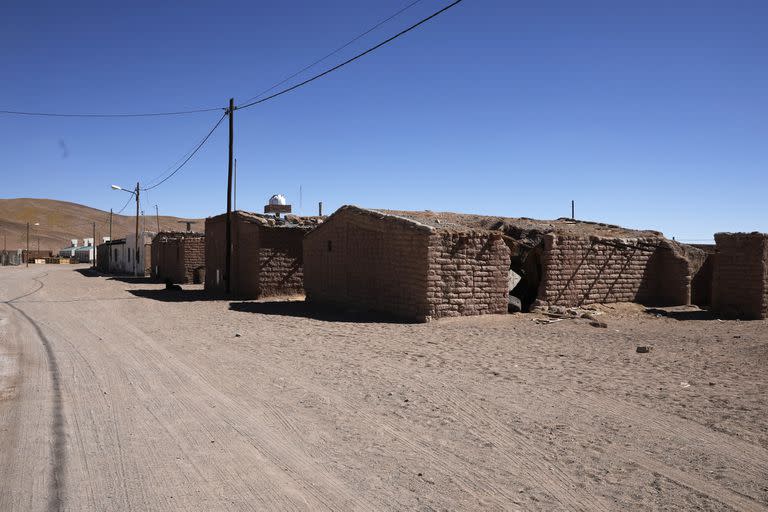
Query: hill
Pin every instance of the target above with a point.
(61, 221)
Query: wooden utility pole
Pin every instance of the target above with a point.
(93, 245)
(136, 258)
(157, 218)
(228, 263)
(27, 244)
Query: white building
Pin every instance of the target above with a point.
(82, 253)
(122, 254)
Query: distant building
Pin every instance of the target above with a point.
(179, 257)
(82, 253)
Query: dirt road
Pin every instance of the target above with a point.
(121, 396)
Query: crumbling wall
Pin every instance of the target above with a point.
(363, 262)
(740, 277)
(582, 270)
(467, 274)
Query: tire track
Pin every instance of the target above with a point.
(57, 480)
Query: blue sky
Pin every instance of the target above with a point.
(647, 114)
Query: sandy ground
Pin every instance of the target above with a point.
(121, 396)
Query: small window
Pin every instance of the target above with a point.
(330, 246)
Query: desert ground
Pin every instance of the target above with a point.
(118, 395)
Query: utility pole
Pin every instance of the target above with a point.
(136, 259)
(157, 218)
(27, 244)
(93, 245)
(573, 209)
(109, 246)
(320, 209)
(228, 264)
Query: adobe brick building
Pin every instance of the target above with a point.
(267, 257)
(567, 262)
(740, 275)
(370, 260)
(178, 256)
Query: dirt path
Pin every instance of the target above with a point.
(120, 396)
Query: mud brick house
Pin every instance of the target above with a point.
(395, 264)
(740, 275)
(567, 262)
(179, 257)
(267, 255)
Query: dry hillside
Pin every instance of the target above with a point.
(61, 221)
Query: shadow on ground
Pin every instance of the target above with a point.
(683, 314)
(302, 309)
(87, 272)
(164, 295)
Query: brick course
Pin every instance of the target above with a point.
(740, 275)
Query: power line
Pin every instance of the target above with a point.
(337, 50)
(126, 203)
(348, 61)
(107, 115)
(190, 155)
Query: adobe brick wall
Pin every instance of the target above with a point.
(266, 260)
(467, 275)
(740, 276)
(367, 261)
(177, 257)
(584, 270)
(358, 261)
(280, 261)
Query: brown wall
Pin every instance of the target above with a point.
(266, 260)
(365, 263)
(467, 275)
(583, 270)
(370, 262)
(177, 258)
(740, 277)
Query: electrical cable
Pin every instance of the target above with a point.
(334, 52)
(107, 115)
(126, 203)
(190, 155)
(350, 60)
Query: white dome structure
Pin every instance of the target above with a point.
(277, 199)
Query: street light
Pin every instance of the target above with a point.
(35, 224)
(136, 193)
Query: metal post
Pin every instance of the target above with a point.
(228, 263)
(136, 259)
(109, 246)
